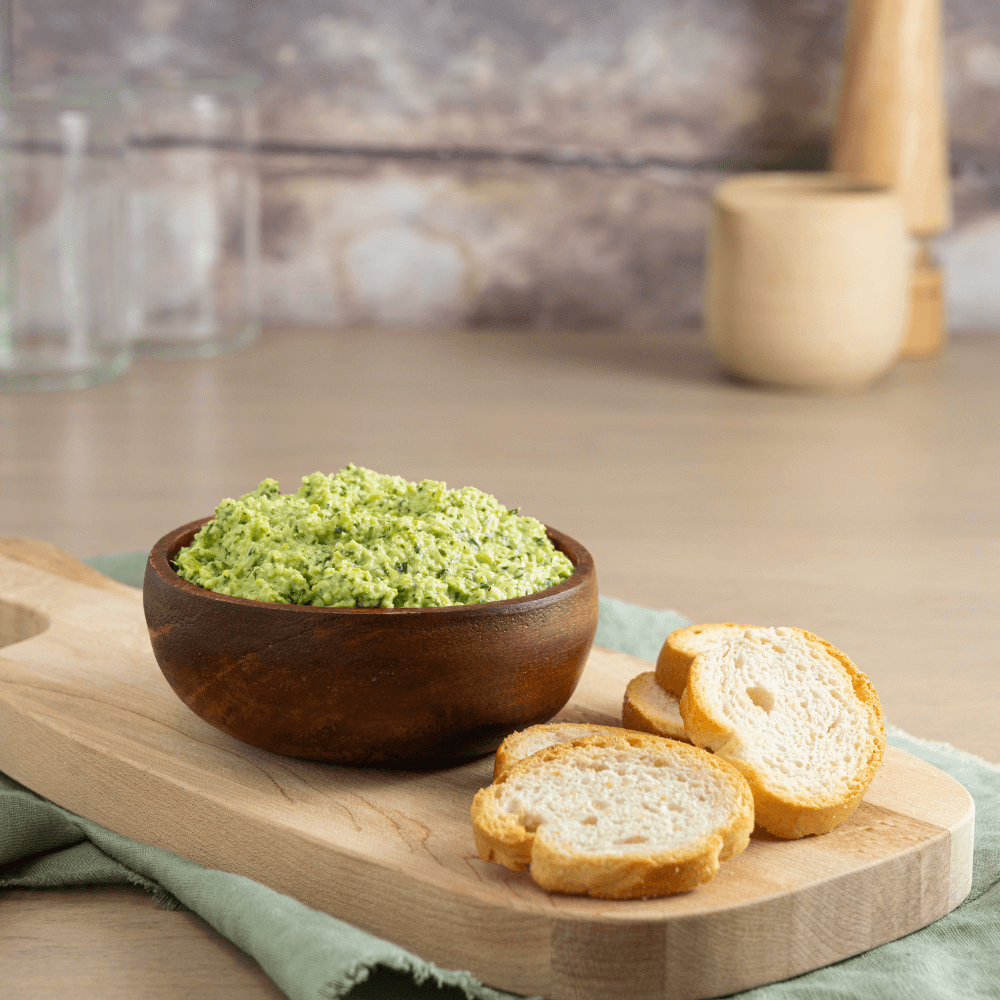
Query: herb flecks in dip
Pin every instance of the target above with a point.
(361, 539)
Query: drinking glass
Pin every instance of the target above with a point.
(61, 239)
(193, 217)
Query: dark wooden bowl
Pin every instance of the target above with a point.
(388, 686)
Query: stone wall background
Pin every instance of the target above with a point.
(524, 163)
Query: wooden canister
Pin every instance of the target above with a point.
(808, 279)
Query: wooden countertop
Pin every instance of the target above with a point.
(870, 519)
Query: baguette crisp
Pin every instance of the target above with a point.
(525, 742)
(647, 708)
(615, 816)
(796, 717)
(683, 645)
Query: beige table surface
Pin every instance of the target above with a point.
(871, 519)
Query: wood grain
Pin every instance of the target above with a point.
(44, 555)
(89, 721)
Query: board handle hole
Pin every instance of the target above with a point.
(18, 622)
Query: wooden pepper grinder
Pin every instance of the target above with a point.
(891, 128)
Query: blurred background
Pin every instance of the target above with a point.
(416, 155)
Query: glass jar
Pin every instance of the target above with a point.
(193, 216)
(61, 239)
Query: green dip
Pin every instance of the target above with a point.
(359, 539)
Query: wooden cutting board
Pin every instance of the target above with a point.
(87, 720)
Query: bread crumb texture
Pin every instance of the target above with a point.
(525, 742)
(616, 816)
(683, 645)
(796, 716)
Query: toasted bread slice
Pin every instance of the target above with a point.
(797, 718)
(683, 645)
(649, 709)
(525, 742)
(616, 816)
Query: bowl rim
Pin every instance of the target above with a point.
(161, 554)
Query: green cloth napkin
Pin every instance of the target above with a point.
(311, 956)
(125, 567)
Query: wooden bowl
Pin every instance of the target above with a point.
(392, 686)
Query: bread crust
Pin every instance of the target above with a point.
(780, 813)
(518, 745)
(641, 712)
(503, 838)
(682, 646)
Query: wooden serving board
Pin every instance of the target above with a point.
(87, 720)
